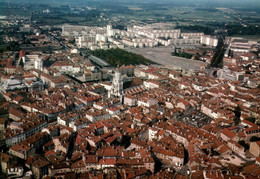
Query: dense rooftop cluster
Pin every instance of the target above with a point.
(183, 121)
(61, 116)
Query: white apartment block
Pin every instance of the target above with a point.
(72, 30)
(152, 33)
(209, 41)
(137, 36)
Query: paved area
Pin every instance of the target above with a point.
(233, 160)
(162, 55)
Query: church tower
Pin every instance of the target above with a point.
(110, 31)
(117, 86)
(38, 63)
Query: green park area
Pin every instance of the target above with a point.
(119, 57)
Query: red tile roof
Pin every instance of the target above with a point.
(107, 161)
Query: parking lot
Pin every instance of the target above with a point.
(162, 55)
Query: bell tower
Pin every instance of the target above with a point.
(117, 86)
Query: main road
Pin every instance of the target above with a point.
(162, 55)
(52, 37)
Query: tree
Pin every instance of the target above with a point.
(28, 41)
(72, 41)
(254, 139)
(125, 141)
(3, 49)
(197, 56)
(6, 123)
(251, 119)
(88, 146)
(236, 120)
(244, 144)
(217, 60)
(237, 112)
(118, 57)
(21, 63)
(174, 53)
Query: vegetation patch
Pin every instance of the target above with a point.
(217, 60)
(182, 54)
(119, 57)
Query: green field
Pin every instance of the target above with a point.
(6, 11)
(188, 14)
(250, 37)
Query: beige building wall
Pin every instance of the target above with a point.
(255, 148)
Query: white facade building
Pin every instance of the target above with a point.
(209, 41)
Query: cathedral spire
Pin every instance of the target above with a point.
(117, 86)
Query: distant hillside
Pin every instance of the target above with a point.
(198, 3)
(119, 57)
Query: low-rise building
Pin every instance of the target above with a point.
(21, 151)
(40, 168)
(6, 161)
(255, 148)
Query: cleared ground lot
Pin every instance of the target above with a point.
(162, 55)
